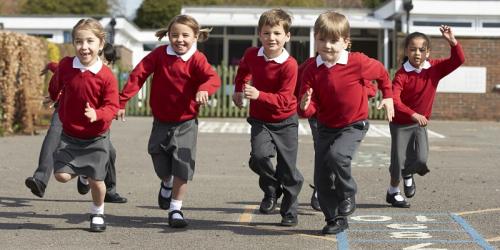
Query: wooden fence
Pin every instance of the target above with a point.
(220, 104)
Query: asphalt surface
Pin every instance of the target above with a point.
(457, 205)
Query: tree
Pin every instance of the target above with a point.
(156, 13)
(78, 7)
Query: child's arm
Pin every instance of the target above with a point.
(308, 100)
(109, 106)
(457, 58)
(372, 69)
(136, 79)
(243, 76)
(210, 81)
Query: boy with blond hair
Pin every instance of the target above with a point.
(333, 90)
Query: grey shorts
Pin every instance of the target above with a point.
(83, 156)
(172, 147)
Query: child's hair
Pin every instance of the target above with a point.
(90, 24)
(275, 17)
(109, 53)
(414, 35)
(188, 21)
(332, 25)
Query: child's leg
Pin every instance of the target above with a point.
(41, 176)
(421, 150)
(400, 141)
(175, 216)
(63, 177)
(98, 190)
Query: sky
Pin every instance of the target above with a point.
(130, 7)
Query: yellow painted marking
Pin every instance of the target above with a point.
(246, 216)
(494, 239)
(479, 211)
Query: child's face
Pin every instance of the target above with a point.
(329, 49)
(181, 38)
(87, 46)
(273, 39)
(417, 52)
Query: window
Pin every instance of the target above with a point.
(148, 46)
(212, 48)
(67, 38)
(491, 25)
(439, 23)
(42, 35)
(241, 30)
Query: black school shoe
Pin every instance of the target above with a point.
(347, 206)
(164, 202)
(97, 227)
(289, 221)
(82, 188)
(314, 200)
(409, 190)
(114, 198)
(391, 199)
(176, 223)
(335, 226)
(37, 187)
(268, 203)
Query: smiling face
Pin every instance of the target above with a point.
(181, 38)
(417, 52)
(329, 49)
(87, 46)
(273, 39)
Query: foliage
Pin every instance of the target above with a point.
(372, 3)
(78, 7)
(54, 54)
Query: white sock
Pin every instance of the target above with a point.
(175, 205)
(393, 190)
(84, 180)
(408, 182)
(167, 192)
(97, 210)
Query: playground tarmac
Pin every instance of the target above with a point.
(457, 205)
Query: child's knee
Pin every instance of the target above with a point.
(62, 177)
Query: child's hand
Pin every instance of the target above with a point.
(388, 105)
(420, 119)
(250, 92)
(202, 97)
(120, 114)
(306, 99)
(44, 70)
(90, 113)
(238, 99)
(448, 34)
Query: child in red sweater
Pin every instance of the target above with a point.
(414, 88)
(333, 90)
(273, 114)
(87, 106)
(182, 81)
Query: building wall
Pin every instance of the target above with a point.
(479, 51)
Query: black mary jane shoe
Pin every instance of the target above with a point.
(176, 223)
(82, 188)
(289, 221)
(347, 206)
(97, 227)
(410, 190)
(391, 199)
(164, 203)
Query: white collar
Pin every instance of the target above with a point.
(409, 68)
(94, 68)
(344, 56)
(279, 59)
(184, 56)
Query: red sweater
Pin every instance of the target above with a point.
(174, 85)
(99, 90)
(339, 94)
(54, 95)
(276, 83)
(414, 92)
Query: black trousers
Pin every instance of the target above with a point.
(335, 148)
(280, 140)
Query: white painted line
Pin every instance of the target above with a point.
(435, 134)
(380, 131)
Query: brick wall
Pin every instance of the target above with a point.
(484, 52)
